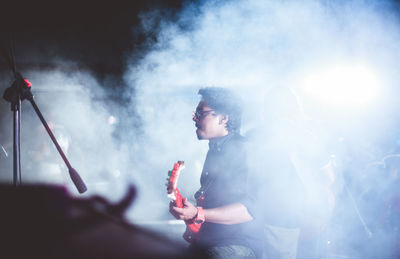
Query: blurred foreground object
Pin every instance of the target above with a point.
(41, 221)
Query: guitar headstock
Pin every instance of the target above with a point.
(173, 177)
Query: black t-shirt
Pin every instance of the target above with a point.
(223, 182)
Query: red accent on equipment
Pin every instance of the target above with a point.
(179, 200)
(28, 84)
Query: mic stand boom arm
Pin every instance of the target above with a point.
(76, 179)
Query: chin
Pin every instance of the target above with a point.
(199, 135)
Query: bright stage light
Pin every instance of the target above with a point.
(343, 86)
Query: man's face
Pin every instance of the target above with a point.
(209, 124)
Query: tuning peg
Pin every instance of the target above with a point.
(169, 173)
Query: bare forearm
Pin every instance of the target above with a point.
(230, 214)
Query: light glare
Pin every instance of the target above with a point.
(343, 85)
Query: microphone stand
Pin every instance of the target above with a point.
(15, 94)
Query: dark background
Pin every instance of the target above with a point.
(98, 35)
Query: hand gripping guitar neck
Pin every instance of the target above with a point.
(176, 196)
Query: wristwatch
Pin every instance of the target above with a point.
(200, 216)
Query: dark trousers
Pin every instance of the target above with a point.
(230, 252)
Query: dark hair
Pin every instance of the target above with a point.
(224, 101)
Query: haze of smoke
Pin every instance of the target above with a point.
(253, 47)
(72, 104)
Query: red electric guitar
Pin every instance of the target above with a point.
(176, 196)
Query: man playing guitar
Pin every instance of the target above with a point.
(220, 210)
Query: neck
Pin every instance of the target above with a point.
(213, 140)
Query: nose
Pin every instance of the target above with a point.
(194, 118)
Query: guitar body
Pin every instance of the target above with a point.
(176, 196)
